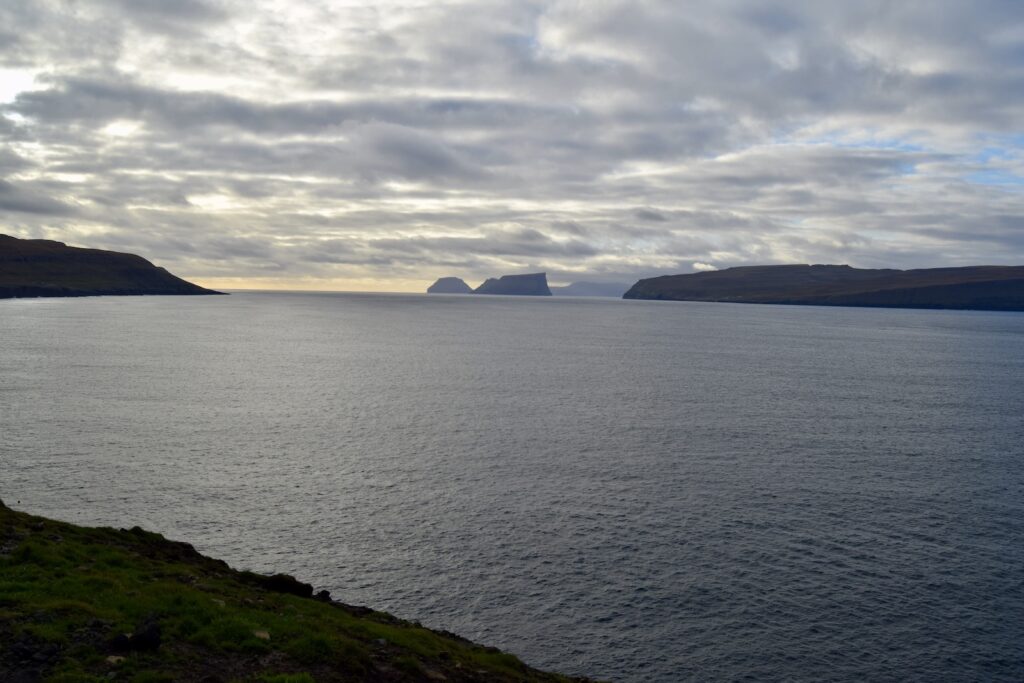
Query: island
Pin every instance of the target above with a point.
(43, 268)
(993, 288)
(449, 285)
(83, 604)
(530, 284)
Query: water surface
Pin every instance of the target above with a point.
(637, 491)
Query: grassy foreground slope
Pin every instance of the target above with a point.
(82, 604)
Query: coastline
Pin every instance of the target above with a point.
(91, 604)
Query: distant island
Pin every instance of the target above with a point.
(43, 268)
(450, 285)
(994, 288)
(529, 284)
(85, 604)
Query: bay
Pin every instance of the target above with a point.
(635, 491)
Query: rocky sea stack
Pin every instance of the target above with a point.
(531, 284)
(34, 268)
(449, 285)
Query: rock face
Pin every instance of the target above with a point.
(996, 288)
(449, 285)
(532, 284)
(613, 289)
(33, 268)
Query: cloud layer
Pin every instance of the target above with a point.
(374, 145)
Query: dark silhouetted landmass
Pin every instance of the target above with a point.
(32, 268)
(532, 284)
(614, 289)
(80, 604)
(449, 285)
(994, 288)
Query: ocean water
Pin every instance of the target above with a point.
(635, 491)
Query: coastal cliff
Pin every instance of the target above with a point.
(81, 604)
(997, 288)
(44, 268)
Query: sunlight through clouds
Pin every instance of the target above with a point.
(233, 139)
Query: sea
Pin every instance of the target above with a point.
(627, 490)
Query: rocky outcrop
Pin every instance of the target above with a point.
(996, 288)
(531, 284)
(449, 285)
(34, 268)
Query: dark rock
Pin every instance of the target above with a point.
(531, 284)
(283, 583)
(145, 638)
(323, 596)
(120, 642)
(449, 285)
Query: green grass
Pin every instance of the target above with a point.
(66, 592)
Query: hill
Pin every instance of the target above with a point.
(33, 268)
(80, 604)
(998, 288)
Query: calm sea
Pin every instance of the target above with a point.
(637, 491)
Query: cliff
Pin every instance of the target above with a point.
(532, 284)
(997, 288)
(32, 268)
(80, 604)
(449, 285)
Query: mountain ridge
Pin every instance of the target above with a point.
(999, 288)
(47, 268)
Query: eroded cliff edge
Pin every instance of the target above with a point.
(94, 604)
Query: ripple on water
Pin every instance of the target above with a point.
(631, 490)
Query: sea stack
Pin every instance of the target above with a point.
(449, 285)
(530, 284)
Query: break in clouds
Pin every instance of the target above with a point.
(368, 145)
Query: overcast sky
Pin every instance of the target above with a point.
(378, 145)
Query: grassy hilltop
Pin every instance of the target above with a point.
(81, 604)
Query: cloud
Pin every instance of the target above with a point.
(367, 140)
(19, 199)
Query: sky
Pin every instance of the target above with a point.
(356, 145)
